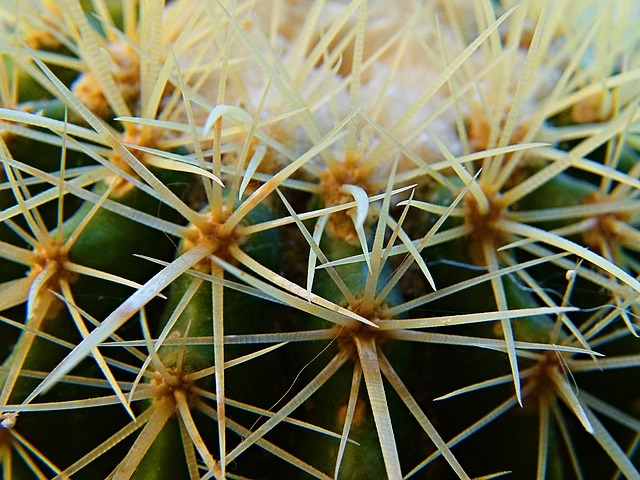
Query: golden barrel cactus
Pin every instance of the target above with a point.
(350, 239)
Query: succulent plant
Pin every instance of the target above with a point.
(319, 239)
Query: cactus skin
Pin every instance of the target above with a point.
(326, 103)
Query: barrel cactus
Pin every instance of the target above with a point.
(319, 239)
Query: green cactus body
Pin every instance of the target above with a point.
(192, 297)
(95, 296)
(161, 461)
(329, 407)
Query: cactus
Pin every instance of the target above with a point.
(322, 239)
